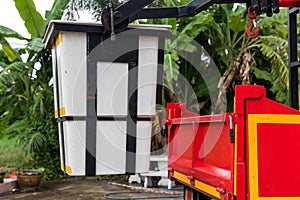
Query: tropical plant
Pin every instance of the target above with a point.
(271, 47)
(26, 106)
(26, 109)
(241, 60)
(94, 7)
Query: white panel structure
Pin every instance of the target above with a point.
(54, 64)
(147, 75)
(75, 140)
(112, 89)
(96, 129)
(71, 58)
(143, 146)
(111, 147)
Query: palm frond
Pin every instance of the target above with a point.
(36, 141)
(200, 24)
(276, 50)
(17, 127)
(11, 72)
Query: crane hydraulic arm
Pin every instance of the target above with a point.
(116, 18)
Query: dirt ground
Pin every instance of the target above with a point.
(73, 189)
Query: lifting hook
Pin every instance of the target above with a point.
(253, 24)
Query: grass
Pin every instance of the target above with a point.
(11, 156)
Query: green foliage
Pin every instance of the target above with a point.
(36, 44)
(201, 23)
(11, 72)
(28, 138)
(94, 7)
(11, 53)
(237, 20)
(57, 10)
(48, 156)
(10, 154)
(262, 74)
(171, 68)
(33, 20)
(7, 32)
(221, 31)
(275, 49)
(26, 103)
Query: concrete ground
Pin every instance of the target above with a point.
(72, 189)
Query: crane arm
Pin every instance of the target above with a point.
(191, 9)
(116, 18)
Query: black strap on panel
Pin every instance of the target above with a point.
(160, 72)
(132, 118)
(126, 48)
(91, 116)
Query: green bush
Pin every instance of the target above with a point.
(48, 156)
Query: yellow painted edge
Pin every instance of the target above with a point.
(235, 160)
(181, 177)
(234, 107)
(68, 168)
(253, 167)
(253, 120)
(58, 39)
(207, 189)
(61, 110)
(275, 118)
(198, 184)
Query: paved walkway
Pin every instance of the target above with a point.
(71, 189)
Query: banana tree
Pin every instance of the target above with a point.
(240, 60)
(250, 60)
(26, 103)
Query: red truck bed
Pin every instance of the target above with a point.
(252, 153)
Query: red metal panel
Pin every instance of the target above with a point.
(213, 155)
(288, 3)
(257, 103)
(180, 144)
(199, 146)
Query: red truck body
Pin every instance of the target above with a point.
(252, 153)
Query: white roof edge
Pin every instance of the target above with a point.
(89, 23)
(49, 30)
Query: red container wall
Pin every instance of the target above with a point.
(200, 149)
(272, 136)
(262, 163)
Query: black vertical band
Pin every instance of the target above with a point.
(132, 118)
(160, 72)
(293, 58)
(61, 126)
(132, 58)
(91, 116)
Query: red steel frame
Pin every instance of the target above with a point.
(261, 164)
